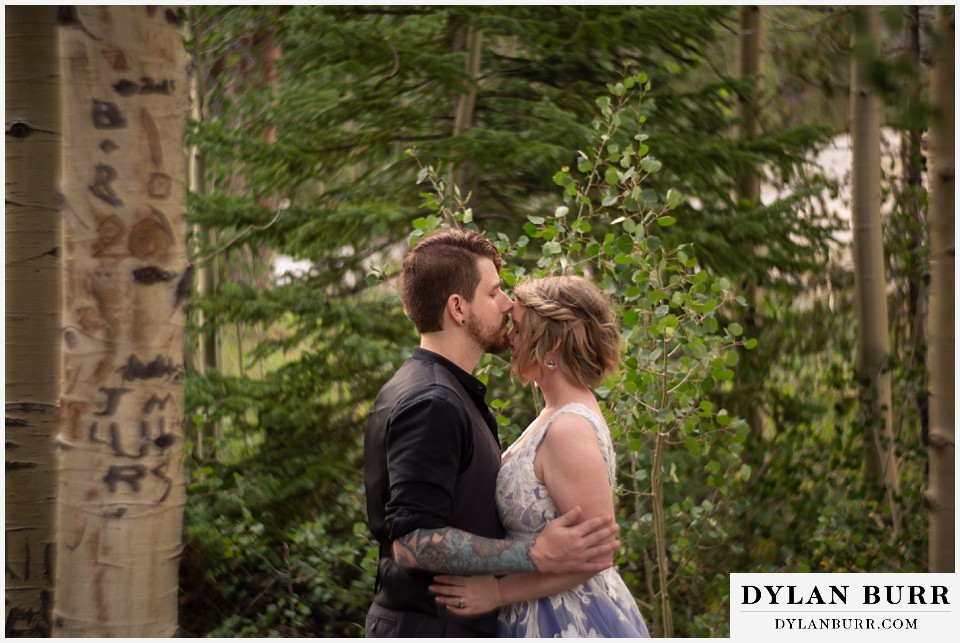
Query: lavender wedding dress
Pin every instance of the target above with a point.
(600, 607)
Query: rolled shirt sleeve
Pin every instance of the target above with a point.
(428, 443)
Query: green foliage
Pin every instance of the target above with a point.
(676, 344)
(315, 583)
(808, 502)
(636, 194)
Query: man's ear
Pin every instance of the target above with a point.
(455, 309)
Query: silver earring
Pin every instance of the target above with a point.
(551, 365)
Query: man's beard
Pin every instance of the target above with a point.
(492, 340)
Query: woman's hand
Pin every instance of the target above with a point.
(467, 595)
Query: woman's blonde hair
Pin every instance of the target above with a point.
(571, 311)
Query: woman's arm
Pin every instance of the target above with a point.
(569, 463)
(571, 466)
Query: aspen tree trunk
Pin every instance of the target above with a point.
(870, 274)
(911, 154)
(32, 264)
(270, 52)
(471, 40)
(208, 271)
(940, 495)
(194, 354)
(749, 42)
(748, 382)
(466, 103)
(208, 358)
(121, 489)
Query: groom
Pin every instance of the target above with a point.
(432, 452)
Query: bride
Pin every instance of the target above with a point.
(565, 338)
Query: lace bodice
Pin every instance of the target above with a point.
(524, 504)
(599, 607)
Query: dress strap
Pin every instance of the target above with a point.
(596, 421)
(604, 438)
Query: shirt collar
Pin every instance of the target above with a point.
(474, 387)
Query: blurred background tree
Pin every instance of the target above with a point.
(304, 198)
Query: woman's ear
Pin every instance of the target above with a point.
(553, 355)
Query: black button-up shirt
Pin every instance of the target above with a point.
(428, 443)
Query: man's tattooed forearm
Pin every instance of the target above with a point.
(453, 551)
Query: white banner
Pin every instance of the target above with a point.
(844, 607)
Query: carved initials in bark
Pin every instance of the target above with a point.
(150, 236)
(121, 486)
(107, 115)
(103, 176)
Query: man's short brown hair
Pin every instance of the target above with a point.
(442, 264)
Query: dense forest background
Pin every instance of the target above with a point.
(696, 161)
(308, 117)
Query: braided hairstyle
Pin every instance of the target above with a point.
(572, 311)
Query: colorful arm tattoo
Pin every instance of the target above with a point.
(453, 551)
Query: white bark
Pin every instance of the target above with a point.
(941, 494)
(870, 276)
(121, 491)
(32, 263)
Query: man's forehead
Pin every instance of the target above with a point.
(488, 271)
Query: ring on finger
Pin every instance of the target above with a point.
(461, 604)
